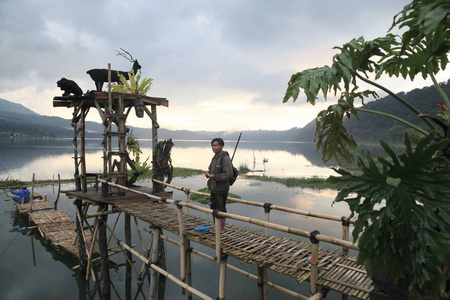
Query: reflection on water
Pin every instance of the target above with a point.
(21, 158)
(49, 157)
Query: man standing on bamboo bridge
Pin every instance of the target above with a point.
(219, 172)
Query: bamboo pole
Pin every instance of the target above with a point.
(218, 243)
(189, 267)
(96, 214)
(81, 238)
(138, 229)
(83, 150)
(282, 228)
(32, 193)
(314, 262)
(254, 203)
(237, 270)
(345, 234)
(59, 190)
(91, 250)
(155, 259)
(223, 277)
(182, 246)
(188, 198)
(154, 139)
(110, 253)
(127, 230)
(103, 246)
(318, 296)
(166, 274)
(114, 226)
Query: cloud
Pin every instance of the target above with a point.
(230, 58)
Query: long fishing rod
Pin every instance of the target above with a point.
(236, 146)
(7, 171)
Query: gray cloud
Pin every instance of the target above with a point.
(194, 50)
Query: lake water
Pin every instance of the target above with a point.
(31, 269)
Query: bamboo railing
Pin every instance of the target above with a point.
(314, 236)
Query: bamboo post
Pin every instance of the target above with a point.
(223, 276)
(189, 267)
(182, 246)
(59, 192)
(91, 250)
(155, 260)
(218, 246)
(81, 244)
(267, 208)
(75, 148)
(83, 149)
(31, 196)
(314, 262)
(154, 141)
(259, 283)
(187, 193)
(103, 246)
(128, 234)
(345, 234)
(265, 275)
(237, 270)
(122, 144)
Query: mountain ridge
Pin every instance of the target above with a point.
(16, 119)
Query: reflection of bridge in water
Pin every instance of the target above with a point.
(323, 269)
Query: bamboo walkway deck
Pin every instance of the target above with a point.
(54, 225)
(280, 254)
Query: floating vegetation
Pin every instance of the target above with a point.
(205, 199)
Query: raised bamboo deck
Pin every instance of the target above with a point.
(280, 254)
(54, 225)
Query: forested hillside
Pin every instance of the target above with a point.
(16, 119)
(370, 128)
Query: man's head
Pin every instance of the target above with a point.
(24, 188)
(217, 145)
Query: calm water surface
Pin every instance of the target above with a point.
(32, 269)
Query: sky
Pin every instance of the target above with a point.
(223, 65)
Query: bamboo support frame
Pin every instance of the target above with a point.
(239, 271)
(282, 228)
(345, 234)
(222, 277)
(83, 150)
(155, 259)
(254, 203)
(182, 245)
(314, 268)
(165, 273)
(218, 244)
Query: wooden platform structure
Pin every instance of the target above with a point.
(298, 259)
(281, 254)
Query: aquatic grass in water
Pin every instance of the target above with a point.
(205, 199)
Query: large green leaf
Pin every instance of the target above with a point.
(403, 210)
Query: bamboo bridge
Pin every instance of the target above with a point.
(304, 261)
